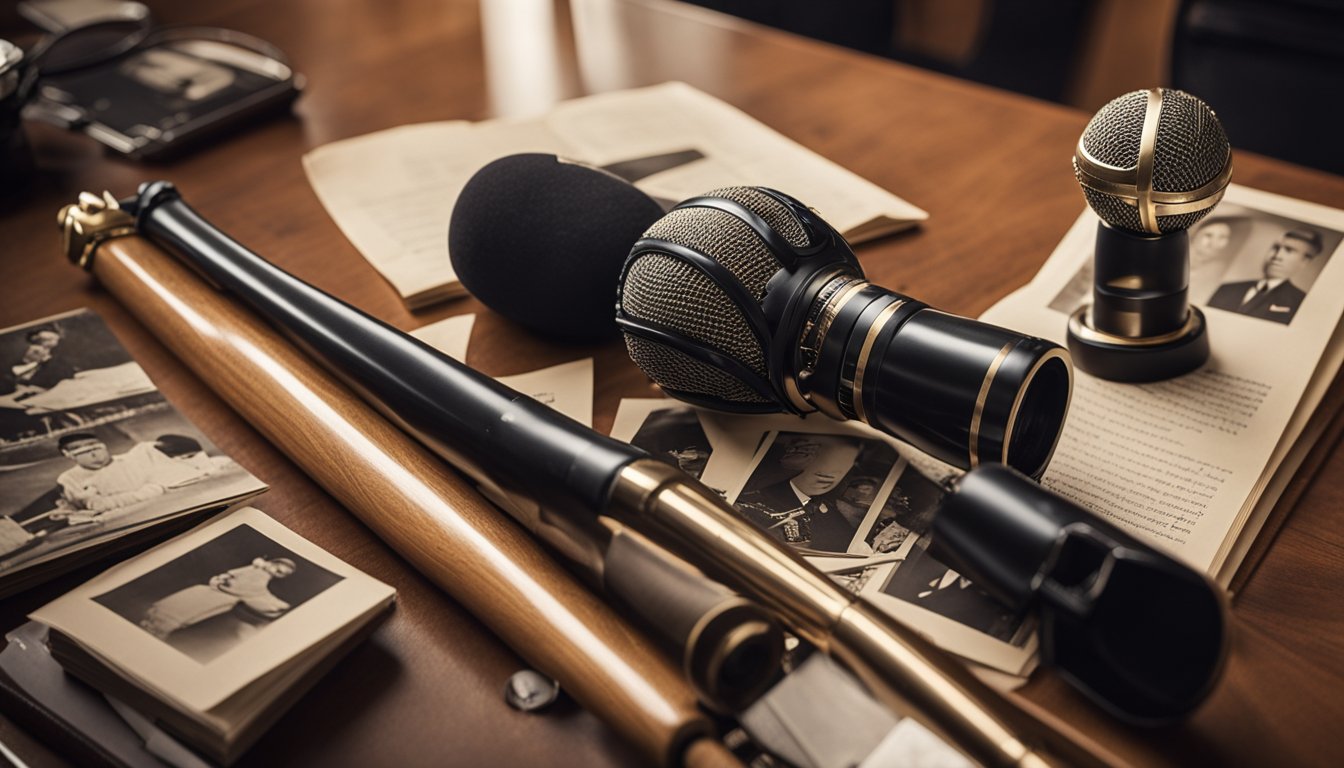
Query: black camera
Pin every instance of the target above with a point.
(146, 92)
(16, 164)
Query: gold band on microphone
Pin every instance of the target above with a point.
(818, 337)
(859, 369)
(1143, 171)
(980, 399)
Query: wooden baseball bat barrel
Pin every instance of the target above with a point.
(415, 503)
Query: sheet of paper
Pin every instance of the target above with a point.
(1183, 463)
(392, 192)
(451, 336)
(568, 387)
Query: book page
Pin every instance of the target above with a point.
(1182, 463)
(392, 192)
(733, 148)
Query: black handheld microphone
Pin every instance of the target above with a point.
(711, 269)
(744, 300)
(1139, 633)
(1151, 164)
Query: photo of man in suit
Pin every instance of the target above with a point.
(1274, 296)
(802, 510)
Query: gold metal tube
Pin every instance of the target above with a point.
(902, 669)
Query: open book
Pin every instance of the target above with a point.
(1196, 464)
(392, 192)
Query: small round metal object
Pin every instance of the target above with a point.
(530, 691)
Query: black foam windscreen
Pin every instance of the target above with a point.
(541, 240)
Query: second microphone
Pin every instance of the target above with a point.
(743, 299)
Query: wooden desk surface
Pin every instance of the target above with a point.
(991, 168)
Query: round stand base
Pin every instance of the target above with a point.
(1118, 358)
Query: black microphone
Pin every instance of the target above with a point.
(1142, 635)
(745, 300)
(1151, 163)
(541, 241)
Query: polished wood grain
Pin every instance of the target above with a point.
(991, 168)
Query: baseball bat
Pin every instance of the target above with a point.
(404, 493)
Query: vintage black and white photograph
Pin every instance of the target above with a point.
(91, 448)
(921, 580)
(1270, 276)
(676, 436)
(1242, 260)
(64, 372)
(908, 510)
(203, 616)
(86, 483)
(855, 578)
(208, 601)
(813, 491)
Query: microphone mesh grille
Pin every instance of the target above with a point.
(725, 238)
(1191, 149)
(677, 371)
(1191, 146)
(1113, 135)
(1114, 211)
(780, 218)
(664, 290)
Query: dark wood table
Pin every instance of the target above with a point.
(991, 168)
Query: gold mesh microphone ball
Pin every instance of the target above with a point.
(1153, 161)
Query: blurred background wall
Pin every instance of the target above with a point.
(1273, 70)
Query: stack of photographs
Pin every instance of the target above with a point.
(93, 459)
(855, 502)
(213, 635)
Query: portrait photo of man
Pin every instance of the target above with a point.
(813, 491)
(1274, 296)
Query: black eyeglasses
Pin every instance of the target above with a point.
(104, 41)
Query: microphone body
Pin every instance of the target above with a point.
(561, 478)
(744, 300)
